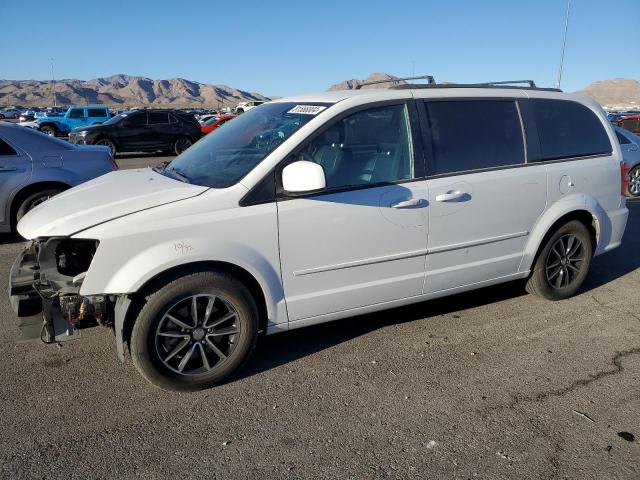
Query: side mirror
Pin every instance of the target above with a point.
(303, 177)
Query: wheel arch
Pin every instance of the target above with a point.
(255, 288)
(590, 217)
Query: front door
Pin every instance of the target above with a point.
(133, 131)
(483, 200)
(362, 241)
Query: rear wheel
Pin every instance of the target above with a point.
(107, 143)
(34, 200)
(181, 145)
(634, 181)
(48, 130)
(194, 332)
(563, 263)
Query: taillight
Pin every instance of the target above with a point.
(624, 178)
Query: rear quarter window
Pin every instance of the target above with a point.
(568, 129)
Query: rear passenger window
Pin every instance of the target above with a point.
(76, 113)
(6, 149)
(96, 113)
(474, 134)
(369, 147)
(567, 129)
(158, 117)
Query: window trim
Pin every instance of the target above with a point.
(416, 147)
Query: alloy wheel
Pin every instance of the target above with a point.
(197, 334)
(182, 144)
(634, 182)
(565, 261)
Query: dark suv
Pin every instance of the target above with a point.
(142, 131)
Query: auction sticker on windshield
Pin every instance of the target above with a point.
(307, 109)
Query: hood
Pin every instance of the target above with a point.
(88, 127)
(107, 197)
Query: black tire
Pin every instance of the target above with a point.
(181, 144)
(107, 143)
(49, 130)
(559, 271)
(149, 341)
(34, 200)
(634, 182)
(239, 111)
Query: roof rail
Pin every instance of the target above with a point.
(530, 83)
(429, 78)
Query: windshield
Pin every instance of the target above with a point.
(227, 154)
(116, 119)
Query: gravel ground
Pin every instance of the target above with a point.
(491, 384)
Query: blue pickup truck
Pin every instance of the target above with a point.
(73, 118)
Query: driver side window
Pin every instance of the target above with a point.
(368, 147)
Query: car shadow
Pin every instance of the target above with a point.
(10, 238)
(277, 350)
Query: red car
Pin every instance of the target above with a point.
(213, 123)
(630, 123)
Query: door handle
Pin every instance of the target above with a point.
(414, 202)
(7, 169)
(450, 196)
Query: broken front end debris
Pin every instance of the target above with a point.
(45, 280)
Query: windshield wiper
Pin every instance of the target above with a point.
(161, 167)
(177, 175)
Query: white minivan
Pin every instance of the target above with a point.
(322, 206)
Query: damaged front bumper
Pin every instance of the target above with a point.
(45, 280)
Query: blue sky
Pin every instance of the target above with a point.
(284, 47)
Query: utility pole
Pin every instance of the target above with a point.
(53, 85)
(564, 43)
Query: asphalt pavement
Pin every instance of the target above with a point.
(490, 384)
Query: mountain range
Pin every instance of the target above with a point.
(123, 91)
(120, 91)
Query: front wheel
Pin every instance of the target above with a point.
(634, 181)
(563, 263)
(195, 331)
(107, 143)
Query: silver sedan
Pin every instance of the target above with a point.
(34, 167)
(630, 146)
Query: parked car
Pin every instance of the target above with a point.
(27, 116)
(74, 117)
(9, 113)
(34, 167)
(246, 106)
(213, 123)
(630, 146)
(142, 131)
(206, 117)
(319, 207)
(631, 123)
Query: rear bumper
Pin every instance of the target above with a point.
(611, 235)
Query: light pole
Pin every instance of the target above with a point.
(53, 85)
(564, 43)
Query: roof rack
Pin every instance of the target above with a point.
(429, 78)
